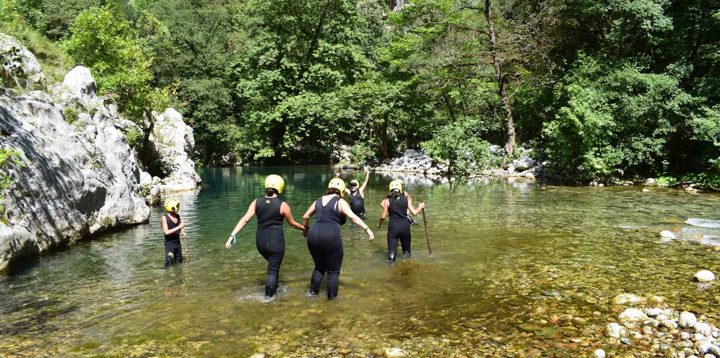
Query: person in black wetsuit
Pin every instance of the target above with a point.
(397, 204)
(269, 238)
(357, 195)
(172, 227)
(324, 241)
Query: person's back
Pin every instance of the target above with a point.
(398, 206)
(267, 210)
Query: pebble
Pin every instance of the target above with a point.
(632, 315)
(667, 234)
(703, 328)
(627, 298)
(685, 336)
(614, 330)
(687, 319)
(704, 276)
(599, 353)
(625, 341)
(394, 352)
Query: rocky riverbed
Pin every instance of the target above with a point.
(77, 174)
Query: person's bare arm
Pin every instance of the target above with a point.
(306, 218)
(287, 213)
(365, 183)
(241, 224)
(414, 210)
(384, 205)
(345, 209)
(167, 231)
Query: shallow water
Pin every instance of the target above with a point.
(519, 269)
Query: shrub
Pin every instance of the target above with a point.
(461, 148)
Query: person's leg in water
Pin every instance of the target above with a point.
(405, 240)
(334, 257)
(271, 245)
(320, 265)
(170, 250)
(178, 253)
(392, 240)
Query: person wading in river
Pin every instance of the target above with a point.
(269, 238)
(397, 204)
(172, 227)
(324, 241)
(357, 195)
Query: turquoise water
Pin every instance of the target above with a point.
(519, 269)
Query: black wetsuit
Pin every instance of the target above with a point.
(399, 226)
(357, 203)
(326, 246)
(269, 239)
(173, 249)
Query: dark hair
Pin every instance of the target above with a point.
(333, 191)
(271, 191)
(394, 194)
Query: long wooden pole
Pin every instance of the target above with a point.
(427, 238)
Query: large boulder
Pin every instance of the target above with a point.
(20, 67)
(76, 179)
(78, 85)
(173, 140)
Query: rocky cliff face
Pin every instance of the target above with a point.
(78, 175)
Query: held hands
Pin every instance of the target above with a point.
(305, 231)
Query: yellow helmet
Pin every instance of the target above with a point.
(338, 184)
(276, 182)
(172, 205)
(396, 184)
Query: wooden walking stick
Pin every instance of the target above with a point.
(427, 238)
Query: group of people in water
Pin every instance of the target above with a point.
(323, 236)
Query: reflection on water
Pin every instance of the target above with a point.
(518, 269)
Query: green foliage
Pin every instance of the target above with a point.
(618, 120)
(361, 152)
(8, 156)
(107, 44)
(71, 114)
(458, 145)
(134, 138)
(16, 20)
(607, 90)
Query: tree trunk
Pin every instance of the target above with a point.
(510, 145)
(384, 154)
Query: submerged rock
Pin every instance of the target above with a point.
(632, 315)
(666, 234)
(704, 276)
(615, 330)
(394, 353)
(627, 298)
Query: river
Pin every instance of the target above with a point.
(519, 269)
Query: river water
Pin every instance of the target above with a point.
(519, 269)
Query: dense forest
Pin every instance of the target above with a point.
(602, 90)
